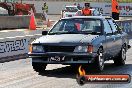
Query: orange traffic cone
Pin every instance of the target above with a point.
(48, 23)
(32, 25)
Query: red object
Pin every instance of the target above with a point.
(17, 8)
(78, 26)
(32, 25)
(86, 12)
(115, 6)
(20, 13)
(90, 48)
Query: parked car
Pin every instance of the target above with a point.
(69, 11)
(80, 40)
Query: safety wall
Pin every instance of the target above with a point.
(15, 46)
(14, 21)
(55, 7)
(16, 43)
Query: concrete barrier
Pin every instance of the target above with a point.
(14, 21)
(126, 25)
(14, 44)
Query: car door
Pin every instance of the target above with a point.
(109, 40)
(117, 42)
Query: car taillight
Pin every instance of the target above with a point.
(90, 48)
(30, 48)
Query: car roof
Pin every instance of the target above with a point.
(71, 6)
(92, 17)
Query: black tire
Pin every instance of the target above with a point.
(99, 61)
(39, 67)
(120, 59)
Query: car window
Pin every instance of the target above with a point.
(90, 25)
(69, 26)
(117, 27)
(72, 9)
(58, 27)
(113, 26)
(78, 25)
(107, 28)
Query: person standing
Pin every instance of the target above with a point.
(45, 11)
(45, 7)
(78, 6)
(115, 10)
(86, 10)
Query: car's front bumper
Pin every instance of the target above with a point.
(68, 58)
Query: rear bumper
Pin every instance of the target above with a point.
(66, 58)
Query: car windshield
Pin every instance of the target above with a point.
(72, 9)
(77, 26)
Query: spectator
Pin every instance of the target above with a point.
(86, 11)
(45, 11)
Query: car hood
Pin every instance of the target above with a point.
(66, 39)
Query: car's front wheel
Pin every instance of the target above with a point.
(99, 61)
(39, 67)
(120, 59)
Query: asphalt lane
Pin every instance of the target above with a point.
(19, 74)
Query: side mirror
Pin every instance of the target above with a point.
(44, 32)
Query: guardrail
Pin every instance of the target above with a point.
(14, 22)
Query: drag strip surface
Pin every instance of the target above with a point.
(19, 74)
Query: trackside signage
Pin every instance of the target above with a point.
(55, 7)
(105, 8)
(15, 46)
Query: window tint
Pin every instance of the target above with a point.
(92, 26)
(77, 25)
(116, 25)
(72, 9)
(107, 28)
(58, 27)
(113, 26)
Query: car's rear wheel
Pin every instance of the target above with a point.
(39, 67)
(120, 59)
(99, 61)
